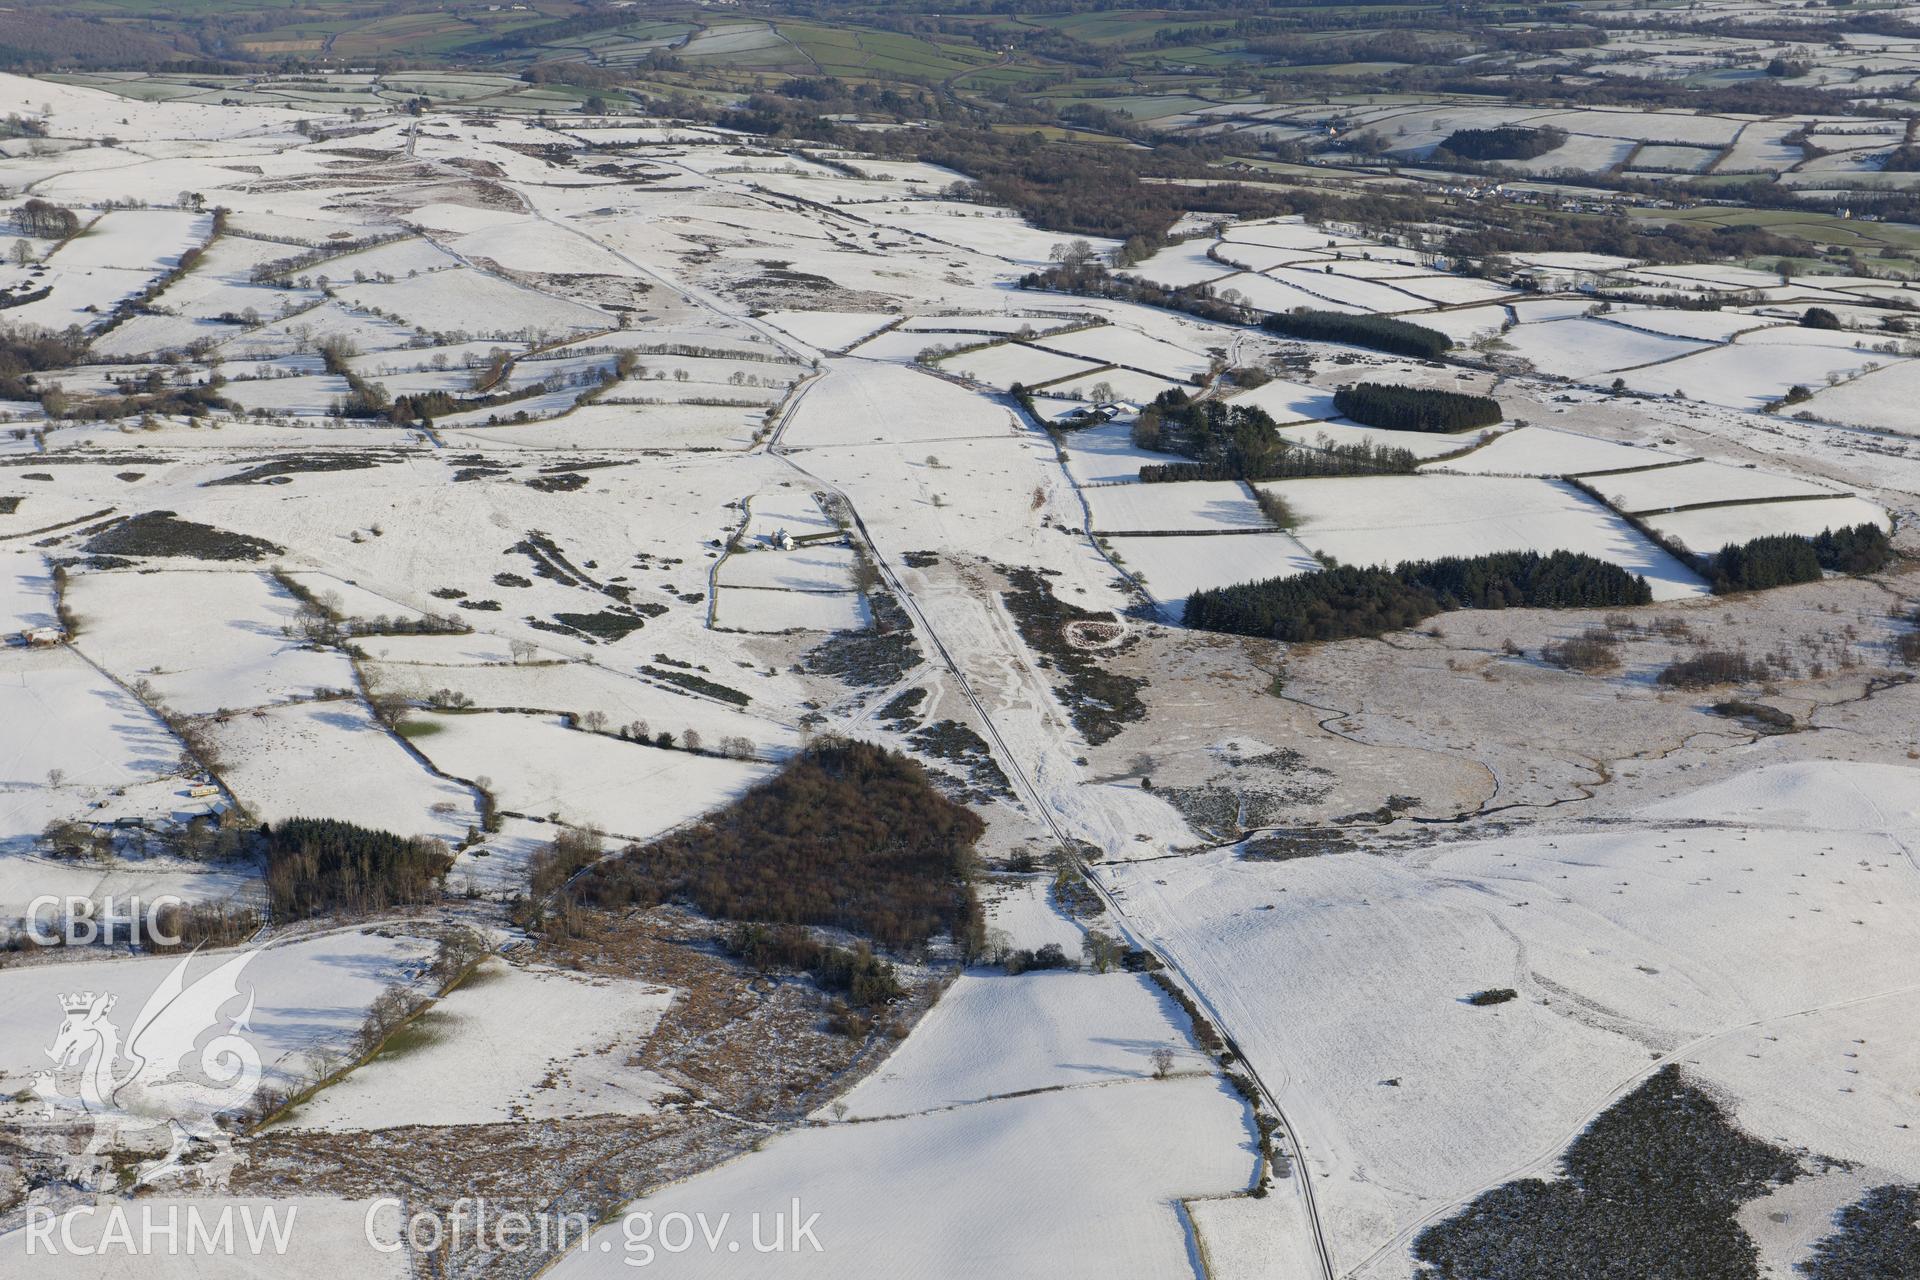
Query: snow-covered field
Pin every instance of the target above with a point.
(331, 760)
(1010, 362)
(1111, 344)
(1181, 264)
(1288, 402)
(422, 665)
(537, 766)
(138, 239)
(308, 995)
(25, 877)
(1706, 531)
(204, 640)
(1184, 507)
(1747, 376)
(1693, 483)
(894, 405)
(461, 299)
(1067, 1183)
(1583, 349)
(1119, 384)
(1545, 451)
(992, 1036)
(308, 396)
(1174, 568)
(831, 330)
(1422, 444)
(73, 738)
(1883, 399)
(471, 1059)
(777, 610)
(1106, 454)
(1630, 948)
(826, 568)
(1384, 520)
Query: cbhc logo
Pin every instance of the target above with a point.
(79, 922)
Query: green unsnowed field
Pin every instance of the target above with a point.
(1815, 229)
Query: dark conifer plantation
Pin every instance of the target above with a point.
(1780, 560)
(1380, 333)
(1507, 142)
(1242, 442)
(1378, 404)
(1649, 1192)
(1863, 548)
(1348, 600)
(317, 865)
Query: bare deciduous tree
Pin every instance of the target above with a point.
(1101, 950)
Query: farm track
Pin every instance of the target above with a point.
(1036, 801)
(101, 514)
(692, 293)
(1289, 1136)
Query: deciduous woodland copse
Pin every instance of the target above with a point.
(848, 835)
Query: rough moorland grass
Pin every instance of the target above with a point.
(1100, 702)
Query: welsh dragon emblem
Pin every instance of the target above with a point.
(165, 1071)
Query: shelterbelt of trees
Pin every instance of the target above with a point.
(1379, 333)
(1343, 601)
